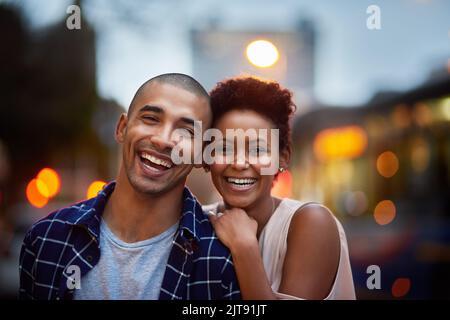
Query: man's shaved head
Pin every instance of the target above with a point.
(179, 80)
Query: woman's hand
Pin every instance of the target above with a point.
(235, 228)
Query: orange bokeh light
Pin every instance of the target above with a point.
(34, 195)
(94, 188)
(387, 164)
(283, 186)
(401, 287)
(51, 180)
(340, 143)
(384, 212)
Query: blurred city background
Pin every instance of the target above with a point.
(371, 136)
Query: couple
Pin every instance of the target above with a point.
(145, 236)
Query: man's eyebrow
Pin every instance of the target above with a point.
(151, 108)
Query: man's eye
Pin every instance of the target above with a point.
(223, 149)
(151, 118)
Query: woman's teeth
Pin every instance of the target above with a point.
(241, 182)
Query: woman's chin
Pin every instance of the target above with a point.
(237, 203)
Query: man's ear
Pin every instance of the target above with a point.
(285, 157)
(121, 128)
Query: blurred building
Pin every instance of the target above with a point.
(51, 117)
(384, 170)
(219, 54)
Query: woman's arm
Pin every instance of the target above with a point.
(311, 260)
(312, 255)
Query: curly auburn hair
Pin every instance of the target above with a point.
(264, 97)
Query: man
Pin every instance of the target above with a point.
(144, 236)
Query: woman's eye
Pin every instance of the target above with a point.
(258, 151)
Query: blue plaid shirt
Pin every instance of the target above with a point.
(199, 265)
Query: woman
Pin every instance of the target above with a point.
(281, 248)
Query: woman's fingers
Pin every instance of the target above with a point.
(214, 216)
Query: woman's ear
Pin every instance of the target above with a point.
(121, 128)
(285, 157)
(198, 165)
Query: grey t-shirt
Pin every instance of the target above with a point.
(127, 271)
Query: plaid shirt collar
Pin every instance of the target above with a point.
(90, 220)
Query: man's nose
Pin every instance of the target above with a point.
(163, 139)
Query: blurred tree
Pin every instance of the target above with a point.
(49, 97)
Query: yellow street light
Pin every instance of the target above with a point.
(262, 53)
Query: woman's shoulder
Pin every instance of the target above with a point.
(313, 216)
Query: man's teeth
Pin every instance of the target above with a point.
(156, 160)
(246, 181)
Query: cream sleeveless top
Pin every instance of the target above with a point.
(273, 245)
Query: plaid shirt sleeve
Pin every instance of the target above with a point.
(26, 260)
(229, 281)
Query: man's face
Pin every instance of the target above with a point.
(147, 136)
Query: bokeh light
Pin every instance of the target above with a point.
(401, 116)
(94, 188)
(384, 212)
(422, 114)
(283, 186)
(262, 53)
(420, 155)
(387, 164)
(445, 108)
(340, 143)
(401, 287)
(51, 180)
(355, 203)
(34, 195)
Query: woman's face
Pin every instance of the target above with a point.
(239, 181)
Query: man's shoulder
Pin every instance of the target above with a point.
(60, 221)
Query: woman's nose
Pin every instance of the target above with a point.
(240, 162)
